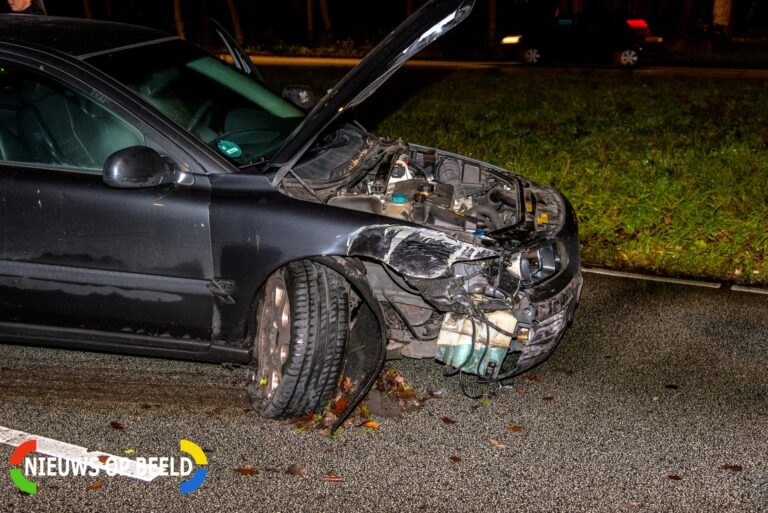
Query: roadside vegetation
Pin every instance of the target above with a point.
(668, 175)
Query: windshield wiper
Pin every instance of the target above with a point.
(337, 142)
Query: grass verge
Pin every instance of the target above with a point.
(668, 175)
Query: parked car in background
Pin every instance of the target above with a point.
(157, 201)
(623, 42)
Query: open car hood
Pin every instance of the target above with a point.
(431, 21)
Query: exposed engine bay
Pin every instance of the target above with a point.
(469, 200)
(455, 274)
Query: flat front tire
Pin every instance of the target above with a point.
(301, 322)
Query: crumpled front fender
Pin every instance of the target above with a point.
(413, 251)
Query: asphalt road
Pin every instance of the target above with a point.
(651, 381)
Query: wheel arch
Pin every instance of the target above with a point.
(365, 352)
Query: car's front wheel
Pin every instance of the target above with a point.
(301, 325)
(531, 56)
(627, 58)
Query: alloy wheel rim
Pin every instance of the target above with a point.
(532, 56)
(629, 57)
(274, 335)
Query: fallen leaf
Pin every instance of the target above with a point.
(531, 377)
(129, 451)
(515, 428)
(346, 385)
(520, 390)
(400, 461)
(333, 478)
(296, 470)
(497, 444)
(116, 425)
(434, 394)
(340, 405)
(306, 421)
(675, 477)
(732, 468)
(448, 420)
(549, 398)
(454, 459)
(103, 459)
(628, 504)
(246, 470)
(370, 424)
(96, 485)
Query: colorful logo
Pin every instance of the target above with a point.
(139, 468)
(17, 474)
(197, 479)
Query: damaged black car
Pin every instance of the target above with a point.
(155, 200)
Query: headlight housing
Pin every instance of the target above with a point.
(535, 265)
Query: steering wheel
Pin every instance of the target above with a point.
(199, 114)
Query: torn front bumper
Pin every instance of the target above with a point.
(480, 348)
(528, 330)
(554, 300)
(554, 315)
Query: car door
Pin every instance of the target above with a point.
(75, 253)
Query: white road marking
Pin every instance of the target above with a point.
(648, 277)
(50, 447)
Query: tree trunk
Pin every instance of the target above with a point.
(108, 10)
(408, 7)
(207, 33)
(311, 19)
(235, 21)
(492, 22)
(721, 13)
(177, 18)
(87, 9)
(326, 16)
(686, 10)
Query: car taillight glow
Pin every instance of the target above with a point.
(637, 24)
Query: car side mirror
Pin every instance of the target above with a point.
(300, 95)
(135, 167)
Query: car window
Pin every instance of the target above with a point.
(237, 116)
(43, 121)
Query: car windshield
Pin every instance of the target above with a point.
(237, 116)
